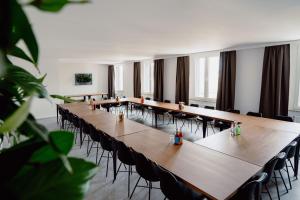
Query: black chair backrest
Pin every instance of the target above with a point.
(85, 127)
(292, 151)
(255, 114)
(174, 189)
(167, 101)
(105, 141)
(269, 168)
(234, 111)
(169, 185)
(209, 107)
(144, 167)
(105, 98)
(124, 153)
(252, 189)
(284, 118)
(148, 98)
(194, 105)
(282, 158)
(94, 134)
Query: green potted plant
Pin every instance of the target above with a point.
(36, 165)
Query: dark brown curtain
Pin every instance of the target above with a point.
(137, 79)
(182, 80)
(274, 95)
(158, 94)
(111, 81)
(226, 84)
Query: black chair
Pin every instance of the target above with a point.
(252, 189)
(209, 120)
(225, 125)
(185, 117)
(146, 169)
(96, 138)
(76, 125)
(281, 164)
(148, 98)
(86, 134)
(174, 189)
(107, 145)
(297, 156)
(125, 156)
(269, 169)
(291, 154)
(167, 101)
(254, 114)
(284, 118)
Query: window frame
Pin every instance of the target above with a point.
(206, 78)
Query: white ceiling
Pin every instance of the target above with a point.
(112, 31)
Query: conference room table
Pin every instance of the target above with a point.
(216, 166)
(88, 95)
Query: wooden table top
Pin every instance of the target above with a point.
(214, 174)
(110, 124)
(256, 145)
(90, 94)
(215, 114)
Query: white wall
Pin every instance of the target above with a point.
(66, 77)
(248, 79)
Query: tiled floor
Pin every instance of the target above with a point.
(103, 188)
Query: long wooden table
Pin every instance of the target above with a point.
(89, 95)
(218, 165)
(212, 173)
(208, 113)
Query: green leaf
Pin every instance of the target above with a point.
(26, 81)
(17, 118)
(51, 180)
(61, 142)
(53, 5)
(19, 53)
(64, 98)
(21, 29)
(14, 158)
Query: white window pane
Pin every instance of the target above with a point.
(213, 74)
(200, 77)
(146, 78)
(151, 78)
(119, 77)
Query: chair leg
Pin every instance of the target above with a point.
(101, 156)
(89, 151)
(268, 191)
(276, 184)
(288, 173)
(107, 163)
(150, 186)
(283, 182)
(135, 187)
(97, 152)
(129, 180)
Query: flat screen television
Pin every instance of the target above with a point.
(83, 79)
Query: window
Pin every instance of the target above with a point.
(148, 77)
(119, 77)
(206, 77)
(297, 81)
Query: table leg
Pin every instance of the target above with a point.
(296, 161)
(155, 114)
(83, 98)
(204, 126)
(107, 108)
(80, 134)
(127, 104)
(115, 160)
(89, 97)
(57, 114)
